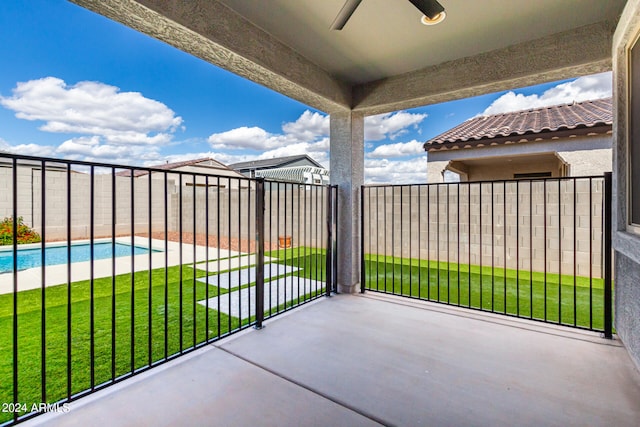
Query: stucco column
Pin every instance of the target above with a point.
(347, 172)
(435, 171)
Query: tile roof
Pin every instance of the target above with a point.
(272, 163)
(170, 166)
(539, 122)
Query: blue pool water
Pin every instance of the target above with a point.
(29, 258)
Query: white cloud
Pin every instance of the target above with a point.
(27, 149)
(309, 134)
(91, 149)
(309, 126)
(318, 151)
(582, 89)
(390, 125)
(384, 171)
(93, 108)
(253, 138)
(399, 149)
(115, 126)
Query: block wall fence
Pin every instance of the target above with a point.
(550, 225)
(231, 213)
(527, 225)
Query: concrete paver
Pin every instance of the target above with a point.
(241, 303)
(233, 279)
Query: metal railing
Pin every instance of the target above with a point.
(533, 248)
(132, 267)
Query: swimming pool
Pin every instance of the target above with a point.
(55, 255)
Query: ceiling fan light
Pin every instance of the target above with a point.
(438, 18)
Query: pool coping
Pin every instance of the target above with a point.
(176, 254)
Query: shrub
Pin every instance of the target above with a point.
(25, 233)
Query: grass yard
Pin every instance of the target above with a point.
(513, 292)
(138, 328)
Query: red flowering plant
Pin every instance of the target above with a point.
(25, 233)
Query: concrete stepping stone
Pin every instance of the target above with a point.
(276, 292)
(233, 279)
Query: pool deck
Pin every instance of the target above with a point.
(176, 254)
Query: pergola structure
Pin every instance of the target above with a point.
(385, 60)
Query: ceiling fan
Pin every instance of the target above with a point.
(432, 10)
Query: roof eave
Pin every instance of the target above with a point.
(545, 135)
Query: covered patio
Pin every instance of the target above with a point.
(379, 360)
(372, 359)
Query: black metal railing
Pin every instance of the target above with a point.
(109, 270)
(533, 248)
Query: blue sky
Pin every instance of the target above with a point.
(76, 85)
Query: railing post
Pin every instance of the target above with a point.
(606, 216)
(259, 252)
(363, 276)
(334, 247)
(329, 257)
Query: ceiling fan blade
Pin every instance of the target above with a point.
(429, 8)
(344, 14)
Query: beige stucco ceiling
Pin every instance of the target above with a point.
(384, 37)
(384, 59)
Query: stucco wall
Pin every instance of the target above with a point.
(434, 171)
(626, 242)
(586, 155)
(507, 170)
(588, 162)
(627, 301)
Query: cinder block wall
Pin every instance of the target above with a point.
(298, 211)
(534, 226)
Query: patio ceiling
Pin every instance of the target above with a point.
(384, 59)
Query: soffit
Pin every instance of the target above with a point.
(513, 161)
(384, 38)
(384, 59)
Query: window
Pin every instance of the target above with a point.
(532, 175)
(633, 163)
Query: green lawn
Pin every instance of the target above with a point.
(132, 350)
(513, 292)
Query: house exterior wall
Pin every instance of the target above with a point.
(588, 162)
(301, 162)
(435, 170)
(626, 242)
(219, 176)
(508, 170)
(586, 156)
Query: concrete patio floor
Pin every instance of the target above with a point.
(356, 360)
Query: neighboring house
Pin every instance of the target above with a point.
(205, 166)
(300, 168)
(562, 140)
